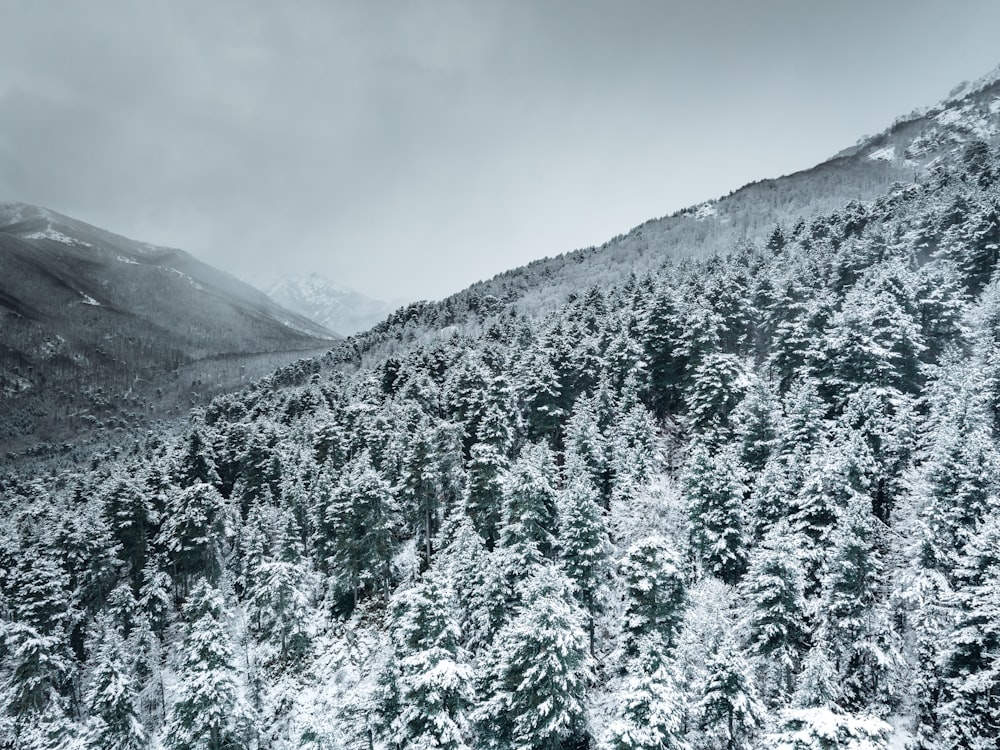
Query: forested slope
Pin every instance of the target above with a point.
(741, 502)
(99, 332)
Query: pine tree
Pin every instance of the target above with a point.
(434, 684)
(730, 710)
(195, 464)
(647, 713)
(776, 626)
(530, 512)
(654, 591)
(534, 684)
(37, 670)
(817, 685)
(715, 514)
(130, 519)
(357, 525)
(718, 384)
(278, 600)
(853, 616)
(111, 697)
(970, 715)
(666, 355)
(195, 533)
(209, 711)
(585, 547)
(485, 490)
(754, 426)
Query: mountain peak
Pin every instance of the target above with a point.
(330, 304)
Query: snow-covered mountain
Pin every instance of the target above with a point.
(96, 328)
(334, 307)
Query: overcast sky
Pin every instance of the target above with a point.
(408, 149)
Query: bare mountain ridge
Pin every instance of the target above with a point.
(100, 329)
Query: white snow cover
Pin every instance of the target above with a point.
(887, 153)
(705, 211)
(50, 233)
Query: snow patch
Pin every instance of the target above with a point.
(995, 106)
(887, 153)
(88, 300)
(705, 211)
(50, 233)
(949, 116)
(123, 259)
(183, 275)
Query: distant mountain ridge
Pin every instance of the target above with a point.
(335, 307)
(95, 325)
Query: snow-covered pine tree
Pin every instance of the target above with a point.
(111, 697)
(776, 626)
(533, 685)
(435, 681)
(530, 513)
(585, 549)
(731, 713)
(208, 713)
(715, 514)
(654, 591)
(647, 712)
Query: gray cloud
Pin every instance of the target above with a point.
(409, 148)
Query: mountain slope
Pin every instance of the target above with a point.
(909, 150)
(91, 318)
(332, 306)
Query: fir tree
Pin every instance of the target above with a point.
(530, 512)
(435, 685)
(776, 608)
(534, 685)
(715, 514)
(208, 713)
(655, 592)
(730, 710)
(585, 547)
(647, 714)
(111, 697)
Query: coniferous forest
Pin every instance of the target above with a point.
(749, 501)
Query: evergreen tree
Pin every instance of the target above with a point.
(278, 597)
(655, 593)
(485, 490)
(130, 519)
(853, 616)
(194, 534)
(530, 508)
(111, 697)
(970, 715)
(647, 714)
(715, 514)
(534, 684)
(434, 685)
(195, 464)
(585, 547)
(357, 524)
(731, 712)
(717, 385)
(208, 713)
(776, 609)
